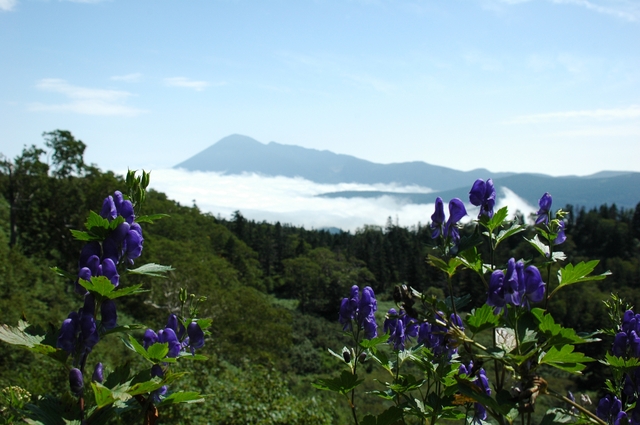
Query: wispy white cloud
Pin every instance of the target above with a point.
(295, 200)
(187, 83)
(631, 112)
(86, 1)
(8, 5)
(83, 100)
(128, 78)
(623, 9)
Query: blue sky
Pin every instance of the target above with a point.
(549, 86)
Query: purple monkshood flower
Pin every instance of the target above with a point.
(456, 212)
(437, 219)
(608, 408)
(482, 382)
(361, 310)
(76, 381)
(67, 336)
(167, 335)
(348, 308)
(149, 338)
(483, 195)
(196, 336)
(545, 208)
(400, 327)
(433, 335)
(519, 286)
(561, 237)
(98, 373)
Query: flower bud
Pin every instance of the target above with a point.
(67, 337)
(196, 336)
(149, 338)
(98, 373)
(362, 357)
(346, 356)
(76, 383)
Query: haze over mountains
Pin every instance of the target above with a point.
(237, 154)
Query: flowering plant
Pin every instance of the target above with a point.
(434, 350)
(113, 242)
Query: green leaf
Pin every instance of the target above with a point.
(625, 365)
(370, 343)
(182, 397)
(497, 220)
(80, 235)
(571, 274)
(102, 394)
(345, 383)
(504, 234)
(565, 359)
(130, 290)
(17, 336)
(541, 247)
(449, 268)
(150, 218)
(472, 259)
(152, 269)
(557, 416)
(482, 318)
(204, 323)
(100, 285)
(158, 351)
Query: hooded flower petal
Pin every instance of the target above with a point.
(437, 219)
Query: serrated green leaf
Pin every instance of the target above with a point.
(504, 234)
(152, 269)
(565, 359)
(541, 247)
(571, 274)
(482, 318)
(497, 220)
(99, 285)
(80, 235)
(158, 351)
(625, 365)
(204, 323)
(557, 416)
(370, 343)
(182, 397)
(102, 394)
(123, 292)
(472, 259)
(17, 336)
(389, 416)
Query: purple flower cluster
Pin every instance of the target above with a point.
(483, 195)
(124, 243)
(434, 335)
(448, 229)
(361, 309)
(481, 382)
(610, 410)
(401, 327)
(80, 330)
(627, 341)
(518, 287)
(175, 336)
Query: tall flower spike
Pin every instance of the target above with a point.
(483, 195)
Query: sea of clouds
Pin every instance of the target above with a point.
(295, 201)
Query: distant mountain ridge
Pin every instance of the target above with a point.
(237, 154)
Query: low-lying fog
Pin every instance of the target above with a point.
(294, 200)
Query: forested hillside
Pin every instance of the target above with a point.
(273, 290)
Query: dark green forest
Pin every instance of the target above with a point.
(273, 290)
